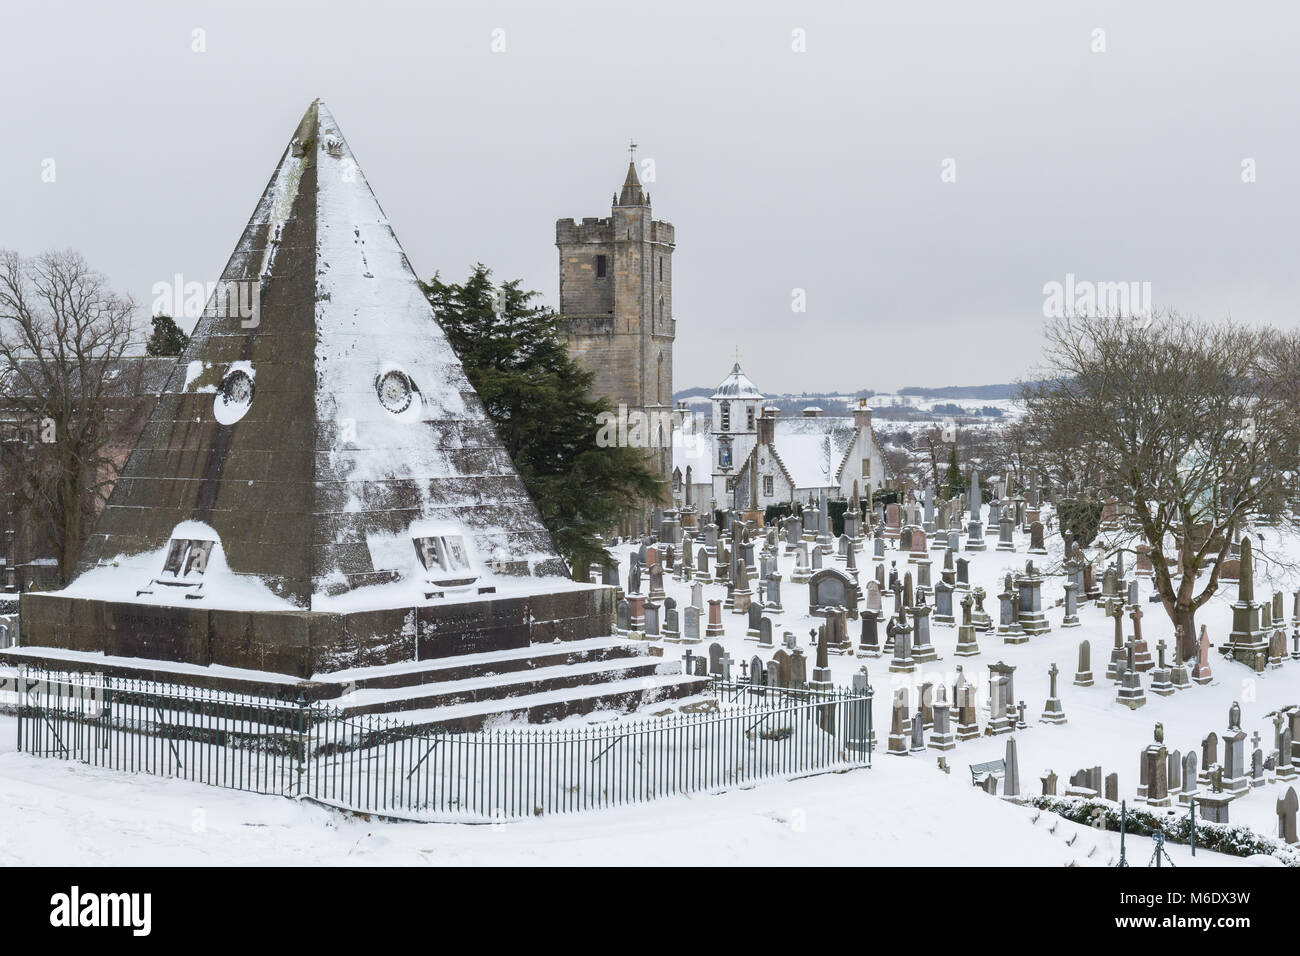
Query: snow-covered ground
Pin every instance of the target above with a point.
(58, 813)
(903, 811)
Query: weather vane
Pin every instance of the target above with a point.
(631, 149)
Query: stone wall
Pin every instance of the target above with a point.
(303, 643)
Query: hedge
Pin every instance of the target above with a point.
(1176, 826)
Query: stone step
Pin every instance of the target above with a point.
(492, 663)
(498, 687)
(622, 696)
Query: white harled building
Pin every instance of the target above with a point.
(744, 454)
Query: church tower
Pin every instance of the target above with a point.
(616, 300)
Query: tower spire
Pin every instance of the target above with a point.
(632, 194)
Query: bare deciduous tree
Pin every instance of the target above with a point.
(63, 333)
(1188, 421)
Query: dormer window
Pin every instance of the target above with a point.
(187, 560)
(446, 560)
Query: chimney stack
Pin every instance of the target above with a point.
(862, 414)
(767, 426)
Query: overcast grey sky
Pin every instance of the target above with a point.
(818, 170)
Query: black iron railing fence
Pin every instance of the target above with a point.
(382, 764)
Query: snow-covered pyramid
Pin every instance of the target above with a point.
(318, 449)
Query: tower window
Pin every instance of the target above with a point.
(726, 417)
(661, 268)
(602, 266)
(749, 418)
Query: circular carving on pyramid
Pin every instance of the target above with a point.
(396, 391)
(237, 388)
(234, 396)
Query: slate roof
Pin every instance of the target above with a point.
(131, 376)
(813, 450)
(737, 385)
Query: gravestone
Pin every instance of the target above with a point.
(716, 653)
(1083, 676)
(691, 625)
(1286, 814)
(782, 661)
(831, 587)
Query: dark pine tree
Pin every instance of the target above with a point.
(545, 413)
(954, 479)
(167, 337)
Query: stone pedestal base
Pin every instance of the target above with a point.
(1254, 656)
(943, 742)
(1053, 712)
(1083, 679)
(967, 731)
(1214, 807)
(1000, 725)
(1131, 697)
(1113, 666)
(1235, 787)
(1034, 622)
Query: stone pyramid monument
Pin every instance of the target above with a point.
(319, 486)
